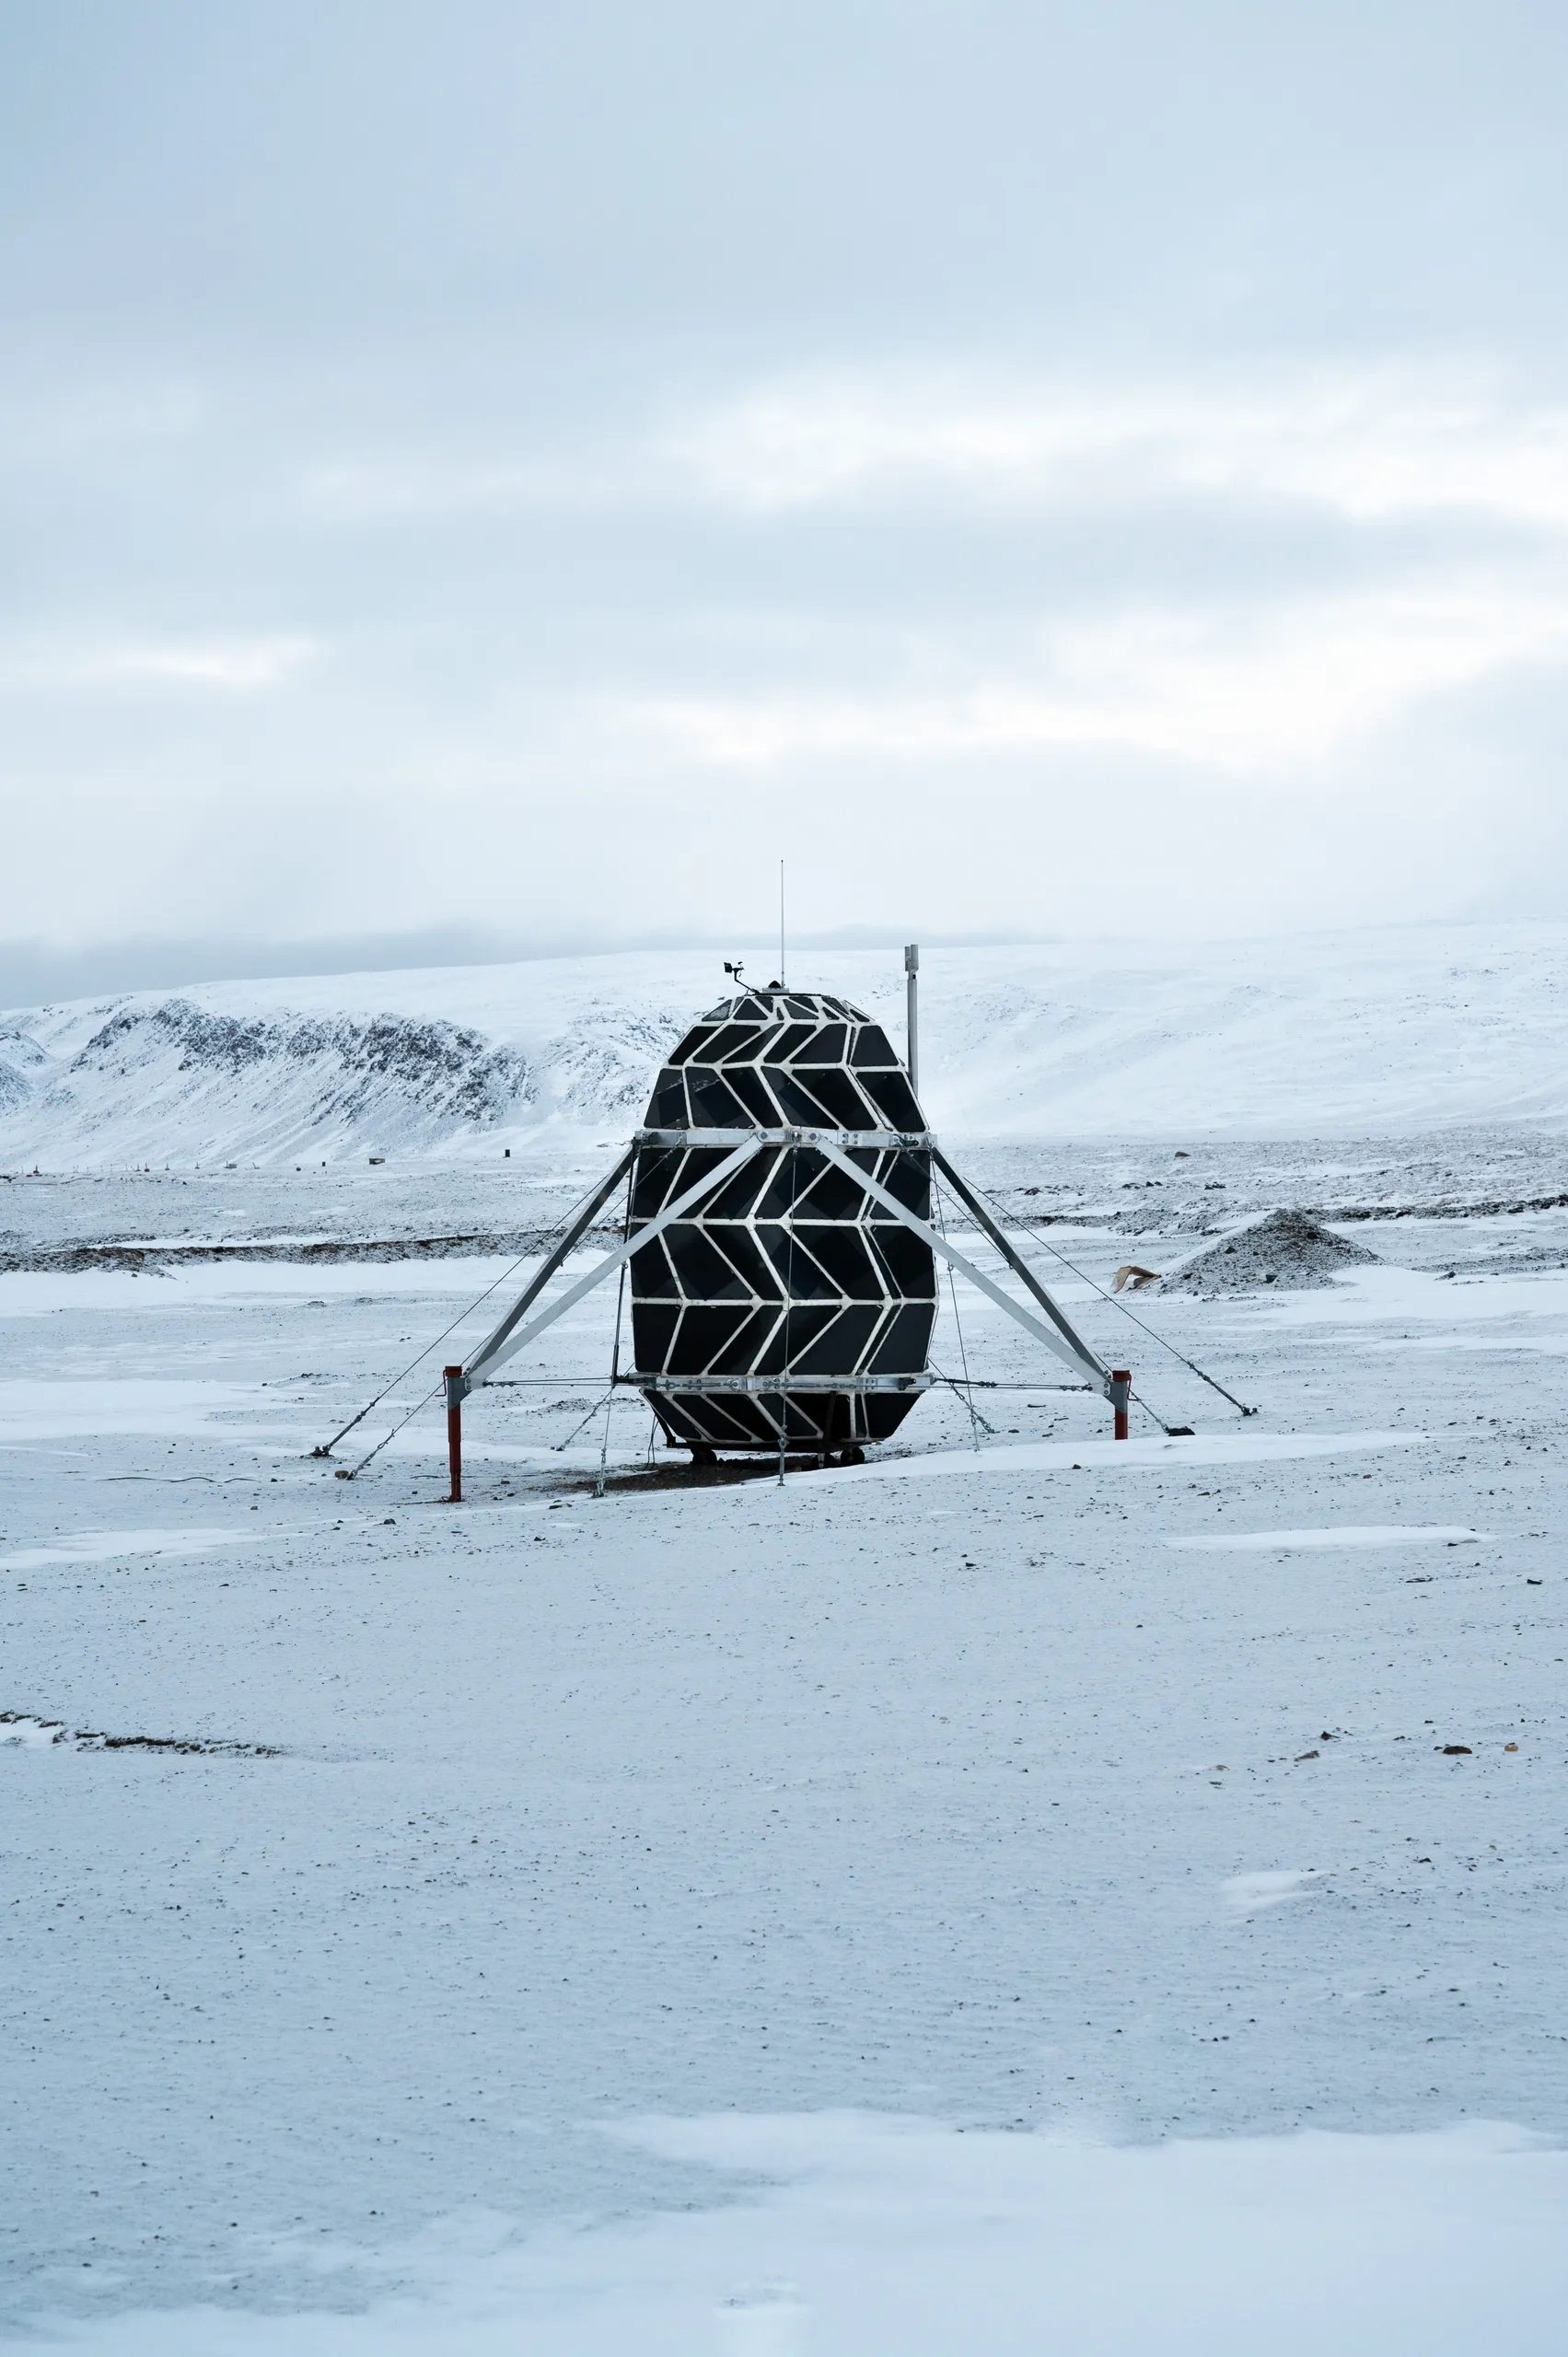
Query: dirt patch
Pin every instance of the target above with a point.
(1288, 1248)
(73, 1259)
(19, 1727)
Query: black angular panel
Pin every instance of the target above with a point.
(800, 1109)
(653, 1183)
(907, 1335)
(893, 1098)
(795, 1171)
(714, 1105)
(790, 1270)
(846, 1338)
(834, 1195)
(730, 1039)
(841, 1249)
(749, 1342)
(738, 1244)
(703, 1331)
(692, 1045)
(908, 1177)
(796, 1331)
(792, 1036)
(668, 1110)
(846, 1108)
(699, 1162)
(702, 1272)
(652, 1331)
(872, 1046)
(910, 1270)
(651, 1277)
(752, 1091)
(804, 1277)
(737, 1198)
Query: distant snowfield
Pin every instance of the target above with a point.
(1382, 1032)
(1126, 1456)
(1373, 1534)
(110, 1546)
(880, 2236)
(88, 1407)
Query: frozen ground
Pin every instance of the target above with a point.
(1482, 1190)
(607, 1913)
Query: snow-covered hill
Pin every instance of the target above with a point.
(1370, 1033)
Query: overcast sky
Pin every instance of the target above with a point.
(481, 476)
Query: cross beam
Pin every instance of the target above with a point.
(510, 1336)
(1058, 1337)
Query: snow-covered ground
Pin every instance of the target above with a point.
(1008, 1899)
(1372, 1033)
(1029, 1892)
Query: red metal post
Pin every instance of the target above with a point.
(1120, 1392)
(453, 1377)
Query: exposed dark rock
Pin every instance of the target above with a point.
(336, 1071)
(1288, 1249)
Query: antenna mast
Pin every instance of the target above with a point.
(911, 970)
(783, 976)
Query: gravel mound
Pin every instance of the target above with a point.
(1287, 1248)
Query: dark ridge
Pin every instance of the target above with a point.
(1446, 1208)
(94, 1739)
(88, 1739)
(73, 1259)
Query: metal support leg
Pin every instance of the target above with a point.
(1120, 1392)
(557, 1257)
(453, 1378)
(1013, 1259)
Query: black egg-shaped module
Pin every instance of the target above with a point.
(789, 1303)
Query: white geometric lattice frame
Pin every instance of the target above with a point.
(791, 1297)
(778, 1231)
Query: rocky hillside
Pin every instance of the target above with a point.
(1375, 1034)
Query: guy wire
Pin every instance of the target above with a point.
(327, 1447)
(354, 1472)
(958, 1323)
(1117, 1302)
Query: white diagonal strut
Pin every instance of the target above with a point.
(501, 1345)
(1066, 1344)
(561, 1250)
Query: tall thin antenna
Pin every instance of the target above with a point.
(783, 976)
(912, 969)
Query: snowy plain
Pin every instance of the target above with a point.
(1018, 1895)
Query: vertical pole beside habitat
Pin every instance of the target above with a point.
(912, 994)
(1120, 1392)
(453, 1378)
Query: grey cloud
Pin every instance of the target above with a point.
(505, 474)
(786, 170)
